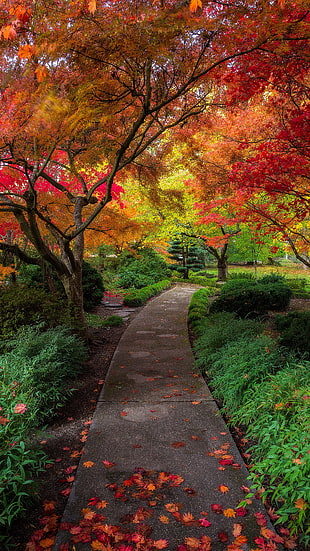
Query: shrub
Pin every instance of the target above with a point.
(220, 329)
(138, 297)
(145, 270)
(251, 299)
(93, 288)
(295, 330)
(282, 441)
(239, 364)
(197, 309)
(272, 278)
(43, 363)
(94, 320)
(21, 305)
(241, 275)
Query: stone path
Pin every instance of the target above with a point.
(160, 469)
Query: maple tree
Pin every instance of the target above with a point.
(89, 84)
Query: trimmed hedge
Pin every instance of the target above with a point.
(294, 330)
(138, 297)
(247, 298)
(197, 309)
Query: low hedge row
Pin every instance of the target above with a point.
(138, 297)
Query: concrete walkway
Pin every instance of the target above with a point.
(160, 469)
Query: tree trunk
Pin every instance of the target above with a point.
(222, 268)
(74, 291)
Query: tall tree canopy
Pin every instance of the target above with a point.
(88, 87)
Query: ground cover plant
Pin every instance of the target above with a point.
(264, 387)
(37, 370)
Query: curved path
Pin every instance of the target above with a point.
(160, 469)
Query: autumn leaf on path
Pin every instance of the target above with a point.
(88, 464)
(172, 507)
(204, 522)
(229, 513)
(164, 519)
(108, 464)
(178, 444)
(160, 544)
(224, 489)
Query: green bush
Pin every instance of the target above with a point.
(43, 364)
(94, 320)
(241, 275)
(21, 305)
(272, 278)
(197, 309)
(35, 376)
(220, 329)
(251, 299)
(239, 364)
(93, 288)
(147, 269)
(138, 297)
(294, 330)
(276, 411)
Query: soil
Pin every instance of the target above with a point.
(64, 438)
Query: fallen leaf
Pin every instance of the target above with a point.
(47, 542)
(187, 517)
(164, 519)
(160, 544)
(124, 413)
(178, 444)
(216, 508)
(196, 402)
(223, 488)
(192, 543)
(229, 513)
(108, 464)
(204, 522)
(237, 529)
(172, 507)
(223, 536)
(195, 437)
(300, 503)
(88, 464)
(260, 519)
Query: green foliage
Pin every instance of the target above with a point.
(94, 320)
(138, 297)
(282, 441)
(239, 364)
(21, 305)
(186, 256)
(267, 391)
(197, 309)
(299, 287)
(140, 272)
(43, 363)
(93, 288)
(294, 330)
(220, 329)
(241, 275)
(35, 373)
(272, 278)
(247, 298)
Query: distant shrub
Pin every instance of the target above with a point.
(247, 298)
(294, 330)
(93, 288)
(141, 271)
(138, 297)
(21, 305)
(241, 275)
(94, 320)
(272, 278)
